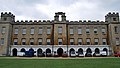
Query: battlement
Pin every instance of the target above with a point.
(7, 14)
(114, 14)
(33, 22)
(87, 22)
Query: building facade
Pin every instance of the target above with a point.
(59, 36)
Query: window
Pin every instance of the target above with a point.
(116, 29)
(48, 30)
(88, 41)
(59, 41)
(103, 30)
(2, 41)
(79, 30)
(87, 30)
(3, 30)
(96, 41)
(15, 42)
(40, 41)
(104, 41)
(48, 41)
(23, 41)
(79, 41)
(32, 30)
(117, 41)
(16, 31)
(59, 30)
(95, 30)
(71, 30)
(114, 19)
(71, 41)
(40, 30)
(32, 41)
(24, 31)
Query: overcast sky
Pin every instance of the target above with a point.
(74, 9)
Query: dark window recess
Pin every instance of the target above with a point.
(31, 43)
(48, 43)
(95, 32)
(23, 43)
(96, 43)
(40, 43)
(15, 43)
(79, 43)
(104, 43)
(88, 43)
(71, 43)
(5, 19)
(60, 43)
(114, 19)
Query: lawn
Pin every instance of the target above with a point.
(60, 63)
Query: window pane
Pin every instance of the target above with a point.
(16, 31)
(79, 41)
(103, 31)
(48, 30)
(15, 41)
(95, 30)
(87, 30)
(79, 31)
(3, 29)
(48, 41)
(40, 41)
(117, 41)
(71, 41)
(2, 41)
(24, 31)
(71, 30)
(59, 41)
(104, 41)
(32, 30)
(40, 30)
(60, 30)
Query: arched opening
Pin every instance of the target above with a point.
(48, 52)
(60, 51)
(72, 52)
(105, 49)
(22, 50)
(88, 52)
(97, 51)
(31, 51)
(39, 52)
(80, 51)
(14, 51)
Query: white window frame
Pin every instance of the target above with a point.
(72, 41)
(96, 40)
(104, 40)
(103, 31)
(48, 41)
(87, 31)
(40, 40)
(15, 40)
(117, 41)
(95, 29)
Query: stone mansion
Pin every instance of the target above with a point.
(59, 36)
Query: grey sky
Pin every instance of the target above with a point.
(74, 9)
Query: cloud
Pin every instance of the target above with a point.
(74, 9)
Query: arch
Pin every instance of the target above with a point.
(48, 52)
(71, 51)
(59, 51)
(97, 51)
(22, 50)
(31, 51)
(14, 51)
(88, 52)
(39, 51)
(105, 49)
(80, 51)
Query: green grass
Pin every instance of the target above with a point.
(60, 63)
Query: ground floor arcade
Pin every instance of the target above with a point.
(61, 49)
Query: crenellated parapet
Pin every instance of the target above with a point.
(33, 22)
(87, 22)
